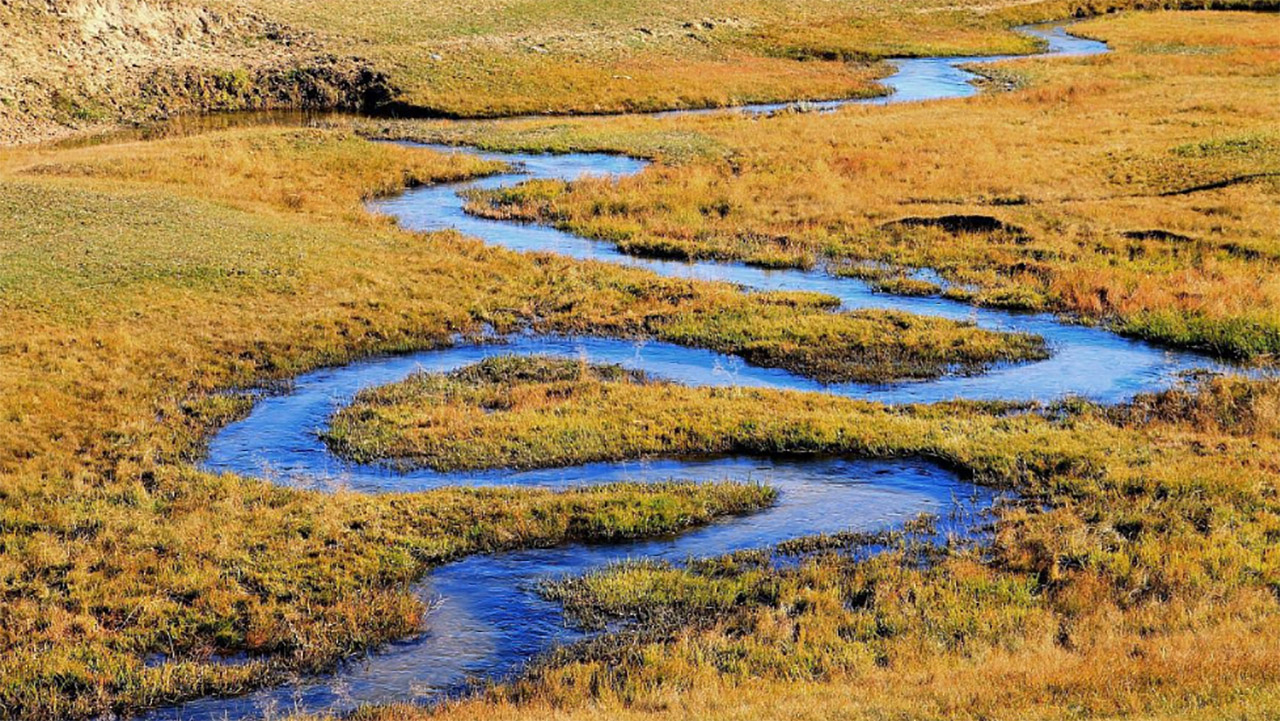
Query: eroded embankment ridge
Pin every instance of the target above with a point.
(77, 65)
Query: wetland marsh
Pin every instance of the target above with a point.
(717, 412)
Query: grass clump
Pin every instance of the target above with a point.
(861, 346)
(903, 285)
(538, 411)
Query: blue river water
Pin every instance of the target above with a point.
(486, 618)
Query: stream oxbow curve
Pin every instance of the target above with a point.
(487, 618)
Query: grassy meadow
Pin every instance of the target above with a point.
(1136, 189)
(152, 288)
(138, 61)
(142, 281)
(499, 58)
(515, 57)
(134, 61)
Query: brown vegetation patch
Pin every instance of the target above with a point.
(958, 223)
(1158, 235)
(1219, 184)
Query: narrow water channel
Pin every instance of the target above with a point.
(486, 619)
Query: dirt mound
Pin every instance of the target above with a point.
(959, 223)
(69, 65)
(314, 82)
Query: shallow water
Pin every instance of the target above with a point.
(486, 620)
(280, 437)
(919, 79)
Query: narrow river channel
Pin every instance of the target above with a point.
(486, 618)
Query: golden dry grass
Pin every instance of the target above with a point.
(499, 57)
(141, 279)
(125, 301)
(1106, 168)
(79, 64)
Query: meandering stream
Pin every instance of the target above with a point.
(486, 619)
